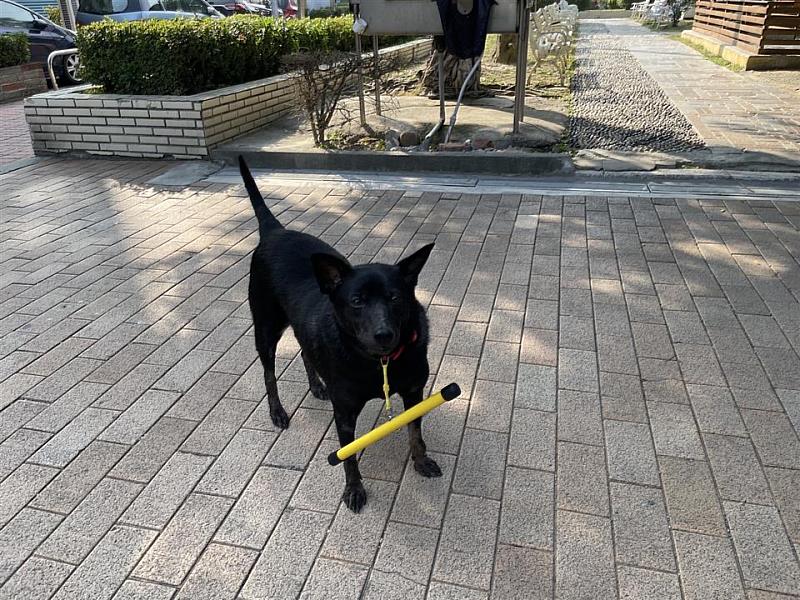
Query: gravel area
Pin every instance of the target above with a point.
(617, 105)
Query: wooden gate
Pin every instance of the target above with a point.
(761, 27)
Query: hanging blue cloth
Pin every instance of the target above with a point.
(465, 34)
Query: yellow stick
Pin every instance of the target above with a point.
(404, 418)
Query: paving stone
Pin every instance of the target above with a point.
(536, 387)
(579, 417)
(37, 578)
(699, 365)
(533, 440)
(715, 410)
(630, 453)
(674, 430)
(584, 557)
(295, 446)
(581, 479)
(195, 404)
(781, 367)
(481, 463)
(21, 536)
(128, 389)
(576, 333)
(17, 448)
(467, 543)
(287, 558)
(784, 484)
(383, 585)
(83, 528)
(446, 591)
(764, 551)
(232, 470)
(422, 501)
(504, 326)
(522, 574)
(71, 440)
(175, 550)
(643, 584)
(577, 370)
(20, 487)
(153, 450)
(330, 579)
(622, 397)
(774, 438)
(187, 371)
(17, 415)
(736, 469)
(142, 590)
(643, 308)
(539, 346)
(466, 339)
(355, 537)
(164, 494)
(527, 509)
(492, 402)
(707, 567)
(320, 487)
(641, 531)
(108, 565)
(499, 362)
(258, 508)
(132, 424)
(407, 551)
(691, 497)
(59, 413)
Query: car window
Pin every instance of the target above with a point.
(15, 17)
(103, 7)
(189, 6)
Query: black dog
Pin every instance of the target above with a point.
(346, 319)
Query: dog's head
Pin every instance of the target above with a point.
(373, 303)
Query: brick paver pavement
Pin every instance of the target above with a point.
(728, 109)
(15, 138)
(628, 427)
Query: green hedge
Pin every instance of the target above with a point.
(187, 56)
(14, 50)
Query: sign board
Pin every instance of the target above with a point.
(421, 17)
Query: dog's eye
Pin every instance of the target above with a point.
(357, 302)
(395, 297)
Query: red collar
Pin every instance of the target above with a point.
(401, 348)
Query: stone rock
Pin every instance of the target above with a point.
(392, 139)
(409, 138)
(482, 143)
(453, 147)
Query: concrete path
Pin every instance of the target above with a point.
(15, 138)
(730, 110)
(628, 428)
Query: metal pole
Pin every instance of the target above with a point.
(362, 111)
(377, 76)
(522, 65)
(441, 86)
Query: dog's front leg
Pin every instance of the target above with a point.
(354, 496)
(423, 464)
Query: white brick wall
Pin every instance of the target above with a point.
(67, 120)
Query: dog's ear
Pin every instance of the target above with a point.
(411, 266)
(330, 271)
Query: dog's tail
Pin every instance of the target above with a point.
(266, 220)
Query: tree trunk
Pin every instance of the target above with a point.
(505, 52)
(455, 72)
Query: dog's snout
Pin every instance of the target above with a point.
(384, 337)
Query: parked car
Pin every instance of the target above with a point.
(288, 7)
(243, 8)
(90, 11)
(44, 37)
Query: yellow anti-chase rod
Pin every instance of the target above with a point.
(404, 418)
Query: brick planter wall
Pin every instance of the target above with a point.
(68, 121)
(20, 81)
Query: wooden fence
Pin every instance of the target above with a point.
(761, 27)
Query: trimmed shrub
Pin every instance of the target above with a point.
(187, 56)
(54, 14)
(14, 50)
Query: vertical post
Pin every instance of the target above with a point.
(302, 8)
(441, 85)
(522, 64)
(362, 112)
(377, 74)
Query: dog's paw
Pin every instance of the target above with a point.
(427, 467)
(319, 392)
(279, 417)
(355, 497)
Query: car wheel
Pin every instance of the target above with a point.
(72, 68)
